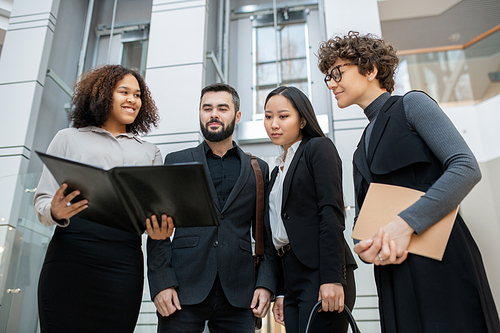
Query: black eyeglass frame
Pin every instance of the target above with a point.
(330, 76)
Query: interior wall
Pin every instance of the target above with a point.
(63, 61)
(481, 212)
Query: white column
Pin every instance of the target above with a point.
(175, 70)
(23, 65)
(340, 18)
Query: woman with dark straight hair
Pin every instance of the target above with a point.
(301, 103)
(305, 217)
(92, 276)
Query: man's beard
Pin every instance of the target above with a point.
(217, 136)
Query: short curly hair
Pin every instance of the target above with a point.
(367, 51)
(93, 99)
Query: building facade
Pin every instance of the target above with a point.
(448, 48)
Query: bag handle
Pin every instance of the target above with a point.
(346, 312)
(258, 257)
(259, 209)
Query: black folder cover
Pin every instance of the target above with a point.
(123, 197)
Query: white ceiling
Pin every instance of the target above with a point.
(405, 9)
(457, 25)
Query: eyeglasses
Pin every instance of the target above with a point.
(335, 73)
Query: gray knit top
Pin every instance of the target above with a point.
(426, 119)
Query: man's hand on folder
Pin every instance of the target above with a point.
(61, 207)
(157, 232)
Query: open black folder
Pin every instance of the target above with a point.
(123, 197)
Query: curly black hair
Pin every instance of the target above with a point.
(93, 99)
(367, 51)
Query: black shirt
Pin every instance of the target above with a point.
(224, 170)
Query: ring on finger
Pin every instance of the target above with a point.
(380, 257)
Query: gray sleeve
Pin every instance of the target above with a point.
(461, 170)
(47, 186)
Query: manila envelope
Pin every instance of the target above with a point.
(384, 202)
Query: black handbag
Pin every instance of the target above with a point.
(346, 312)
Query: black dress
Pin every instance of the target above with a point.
(422, 294)
(91, 280)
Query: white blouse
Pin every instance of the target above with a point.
(280, 237)
(94, 146)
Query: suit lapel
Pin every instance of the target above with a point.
(379, 127)
(359, 161)
(199, 156)
(274, 174)
(291, 170)
(245, 170)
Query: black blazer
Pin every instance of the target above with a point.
(312, 209)
(194, 257)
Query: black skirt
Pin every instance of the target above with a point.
(91, 280)
(426, 295)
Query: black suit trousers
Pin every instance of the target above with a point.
(301, 294)
(222, 317)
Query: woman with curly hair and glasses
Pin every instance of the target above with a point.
(92, 276)
(410, 142)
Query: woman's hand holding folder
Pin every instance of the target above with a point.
(379, 250)
(61, 207)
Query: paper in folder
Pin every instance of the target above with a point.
(384, 202)
(123, 197)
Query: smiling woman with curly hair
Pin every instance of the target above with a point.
(92, 277)
(93, 99)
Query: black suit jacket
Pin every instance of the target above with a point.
(193, 258)
(312, 209)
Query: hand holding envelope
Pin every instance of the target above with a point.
(382, 205)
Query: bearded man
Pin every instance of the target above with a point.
(206, 273)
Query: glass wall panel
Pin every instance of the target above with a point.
(133, 56)
(288, 67)
(293, 41)
(459, 76)
(266, 44)
(267, 74)
(294, 70)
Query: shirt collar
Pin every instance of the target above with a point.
(207, 149)
(96, 129)
(280, 160)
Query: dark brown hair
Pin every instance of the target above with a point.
(216, 87)
(367, 51)
(93, 99)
